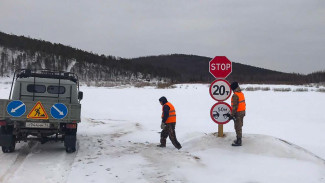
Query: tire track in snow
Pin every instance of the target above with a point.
(51, 159)
(23, 153)
(164, 160)
(150, 163)
(71, 162)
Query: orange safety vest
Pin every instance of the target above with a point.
(172, 113)
(241, 102)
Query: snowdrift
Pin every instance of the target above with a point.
(261, 159)
(253, 144)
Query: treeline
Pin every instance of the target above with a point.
(18, 52)
(316, 77)
(22, 52)
(181, 68)
(192, 68)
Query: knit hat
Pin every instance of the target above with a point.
(163, 99)
(234, 85)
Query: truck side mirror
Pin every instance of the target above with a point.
(80, 95)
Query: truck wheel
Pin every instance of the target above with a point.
(70, 149)
(8, 149)
(11, 147)
(70, 143)
(7, 140)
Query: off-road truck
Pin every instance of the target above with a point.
(43, 105)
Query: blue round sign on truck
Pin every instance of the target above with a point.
(59, 111)
(16, 108)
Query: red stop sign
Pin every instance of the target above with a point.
(220, 67)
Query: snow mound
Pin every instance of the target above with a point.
(254, 144)
(261, 159)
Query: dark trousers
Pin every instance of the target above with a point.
(239, 121)
(238, 126)
(169, 130)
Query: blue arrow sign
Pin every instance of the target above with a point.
(59, 111)
(16, 108)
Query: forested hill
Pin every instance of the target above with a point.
(191, 68)
(21, 52)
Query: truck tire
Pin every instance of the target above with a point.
(7, 140)
(11, 148)
(70, 141)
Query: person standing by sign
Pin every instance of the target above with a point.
(168, 124)
(238, 111)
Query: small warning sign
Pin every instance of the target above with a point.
(38, 112)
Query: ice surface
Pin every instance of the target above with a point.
(282, 141)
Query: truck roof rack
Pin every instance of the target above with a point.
(25, 73)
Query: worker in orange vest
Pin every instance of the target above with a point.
(168, 124)
(238, 111)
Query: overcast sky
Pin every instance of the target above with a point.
(283, 35)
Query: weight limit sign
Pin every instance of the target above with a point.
(220, 90)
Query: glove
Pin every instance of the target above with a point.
(230, 117)
(163, 125)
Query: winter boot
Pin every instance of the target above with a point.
(161, 145)
(237, 142)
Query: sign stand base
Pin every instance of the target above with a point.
(220, 130)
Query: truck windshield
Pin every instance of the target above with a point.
(56, 89)
(36, 88)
